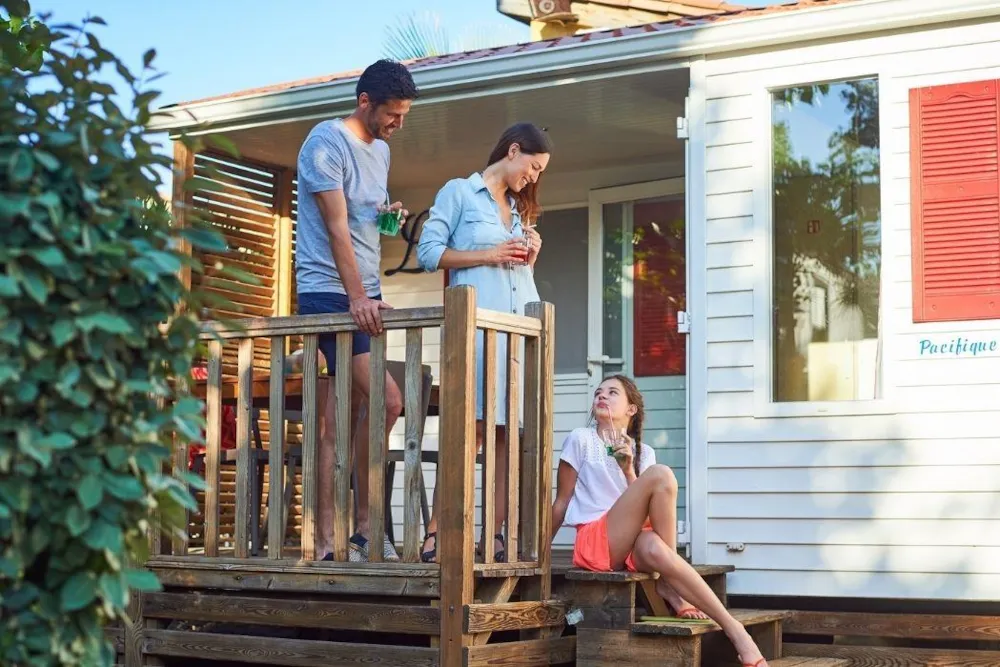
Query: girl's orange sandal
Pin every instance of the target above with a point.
(691, 613)
(760, 662)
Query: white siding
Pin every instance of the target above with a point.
(885, 502)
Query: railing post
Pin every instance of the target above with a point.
(213, 447)
(244, 415)
(539, 365)
(310, 445)
(276, 451)
(456, 469)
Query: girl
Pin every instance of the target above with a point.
(624, 508)
(480, 228)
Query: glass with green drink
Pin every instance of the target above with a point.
(610, 437)
(388, 219)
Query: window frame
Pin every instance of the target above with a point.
(764, 404)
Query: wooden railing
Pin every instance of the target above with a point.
(529, 463)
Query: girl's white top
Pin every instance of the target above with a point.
(600, 480)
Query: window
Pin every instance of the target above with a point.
(827, 242)
(644, 286)
(955, 202)
(658, 279)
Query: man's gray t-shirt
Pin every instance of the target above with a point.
(333, 158)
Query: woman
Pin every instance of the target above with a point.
(624, 508)
(481, 229)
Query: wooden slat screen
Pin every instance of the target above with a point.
(242, 205)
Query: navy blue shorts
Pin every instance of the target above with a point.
(323, 303)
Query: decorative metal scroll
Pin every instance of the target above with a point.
(410, 232)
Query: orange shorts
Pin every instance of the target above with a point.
(591, 550)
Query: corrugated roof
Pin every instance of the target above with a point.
(484, 54)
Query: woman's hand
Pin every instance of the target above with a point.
(511, 250)
(534, 243)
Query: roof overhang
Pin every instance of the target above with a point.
(586, 60)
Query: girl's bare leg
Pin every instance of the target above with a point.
(655, 497)
(651, 554)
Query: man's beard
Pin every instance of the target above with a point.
(371, 124)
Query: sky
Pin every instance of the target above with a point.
(213, 47)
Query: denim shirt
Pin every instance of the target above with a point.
(465, 217)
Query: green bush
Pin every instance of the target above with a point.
(93, 329)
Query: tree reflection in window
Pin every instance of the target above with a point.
(827, 241)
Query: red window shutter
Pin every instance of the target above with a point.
(955, 201)
(658, 284)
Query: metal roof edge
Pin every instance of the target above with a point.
(448, 81)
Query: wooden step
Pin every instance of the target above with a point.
(857, 637)
(563, 572)
(798, 661)
(748, 617)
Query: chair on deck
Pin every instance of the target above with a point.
(258, 459)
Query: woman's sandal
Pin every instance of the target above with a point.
(760, 662)
(498, 556)
(431, 555)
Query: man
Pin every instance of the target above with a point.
(343, 171)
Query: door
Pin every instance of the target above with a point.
(637, 302)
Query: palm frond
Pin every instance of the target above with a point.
(416, 36)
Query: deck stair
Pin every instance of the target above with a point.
(609, 630)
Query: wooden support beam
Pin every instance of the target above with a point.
(330, 583)
(539, 369)
(456, 470)
(283, 242)
(489, 471)
(493, 591)
(310, 444)
(276, 453)
(292, 652)
(330, 615)
(213, 447)
(517, 509)
(514, 616)
(412, 469)
(374, 467)
(527, 653)
(244, 416)
(342, 449)
(180, 205)
(657, 605)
